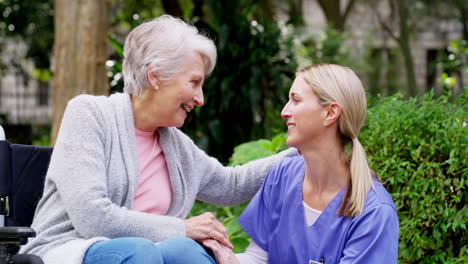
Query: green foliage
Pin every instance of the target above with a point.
(453, 63)
(381, 67)
(41, 135)
(239, 239)
(418, 147)
(457, 56)
(228, 216)
(32, 22)
(323, 47)
(44, 140)
(4, 118)
(43, 75)
(257, 149)
(127, 14)
(114, 67)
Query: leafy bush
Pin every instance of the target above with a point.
(418, 147)
(41, 135)
(258, 149)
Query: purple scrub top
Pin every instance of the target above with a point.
(274, 219)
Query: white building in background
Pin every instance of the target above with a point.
(365, 35)
(30, 101)
(23, 99)
(23, 103)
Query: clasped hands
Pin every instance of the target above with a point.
(207, 229)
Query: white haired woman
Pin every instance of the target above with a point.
(123, 178)
(326, 205)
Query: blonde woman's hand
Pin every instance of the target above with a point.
(206, 226)
(224, 255)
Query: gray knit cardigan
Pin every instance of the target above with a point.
(94, 171)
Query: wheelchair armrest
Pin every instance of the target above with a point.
(11, 237)
(16, 234)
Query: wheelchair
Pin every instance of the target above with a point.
(22, 172)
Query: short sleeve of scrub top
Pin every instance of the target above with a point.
(258, 215)
(373, 238)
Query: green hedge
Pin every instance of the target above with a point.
(418, 147)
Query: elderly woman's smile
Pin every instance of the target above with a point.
(167, 103)
(186, 108)
(185, 87)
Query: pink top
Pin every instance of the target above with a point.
(154, 192)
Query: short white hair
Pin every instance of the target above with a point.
(162, 43)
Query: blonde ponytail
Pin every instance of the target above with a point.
(361, 181)
(336, 83)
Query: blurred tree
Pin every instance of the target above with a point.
(28, 22)
(447, 10)
(32, 22)
(462, 7)
(198, 8)
(127, 14)
(172, 8)
(399, 15)
(335, 14)
(295, 12)
(406, 19)
(324, 47)
(80, 52)
(382, 68)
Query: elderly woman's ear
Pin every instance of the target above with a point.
(152, 78)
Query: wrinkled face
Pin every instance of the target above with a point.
(304, 115)
(178, 96)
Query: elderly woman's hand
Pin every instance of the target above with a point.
(224, 255)
(206, 226)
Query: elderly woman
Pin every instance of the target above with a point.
(123, 178)
(325, 206)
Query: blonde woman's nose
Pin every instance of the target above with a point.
(285, 113)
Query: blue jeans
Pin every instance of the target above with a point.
(136, 250)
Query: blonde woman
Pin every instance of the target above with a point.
(326, 205)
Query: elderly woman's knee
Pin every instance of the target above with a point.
(124, 250)
(142, 250)
(137, 244)
(183, 242)
(183, 249)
